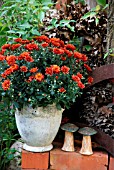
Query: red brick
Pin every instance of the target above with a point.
(111, 165)
(36, 161)
(61, 160)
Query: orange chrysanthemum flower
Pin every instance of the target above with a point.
(14, 67)
(78, 55)
(81, 85)
(6, 46)
(31, 78)
(25, 41)
(33, 70)
(90, 79)
(87, 67)
(42, 38)
(62, 90)
(65, 69)
(79, 75)
(75, 78)
(54, 39)
(3, 75)
(56, 69)
(44, 44)
(26, 56)
(18, 40)
(70, 47)
(23, 68)
(29, 59)
(15, 46)
(23, 55)
(8, 71)
(84, 58)
(63, 58)
(49, 71)
(57, 44)
(2, 51)
(11, 59)
(39, 77)
(6, 84)
(62, 43)
(58, 51)
(32, 47)
(69, 53)
(2, 57)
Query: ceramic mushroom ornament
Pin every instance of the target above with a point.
(69, 128)
(86, 142)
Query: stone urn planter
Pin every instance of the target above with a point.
(38, 127)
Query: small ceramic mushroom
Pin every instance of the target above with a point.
(69, 137)
(86, 142)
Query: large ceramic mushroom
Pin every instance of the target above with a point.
(69, 128)
(86, 142)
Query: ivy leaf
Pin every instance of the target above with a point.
(112, 55)
(101, 2)
(70, 27)
(87, 47)
(50, 27)
(98, 8)
(54, 21)
(97, 21)
(41, 15)
(89, 14)
(106, 55)
(35, 32)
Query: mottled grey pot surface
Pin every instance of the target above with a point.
(38, 127)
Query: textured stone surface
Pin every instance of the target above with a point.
(38, 127)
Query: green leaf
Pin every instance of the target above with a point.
(50, 27)
(70, 27)
(112, 55)
(21, 32)
(107, 5)
(106, 55)
(54, 21)
(87, 47)
(101, 2)
(35, 32)
(58, 106)
(41, 15)
(92, 14)
(25, 25)
(97, 21)
(2, 41)
(64, 21)
(89, 14)
(12, 31)
(98, 7)
(16, 104)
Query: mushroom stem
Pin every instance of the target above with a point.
(86, 146)
(68, 142)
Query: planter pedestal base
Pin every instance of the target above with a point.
(37, 149)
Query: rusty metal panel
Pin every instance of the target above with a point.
(103, 73)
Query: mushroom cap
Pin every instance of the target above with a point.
(87, 131)
(69, 127)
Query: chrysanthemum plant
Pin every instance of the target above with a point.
(42, 71)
